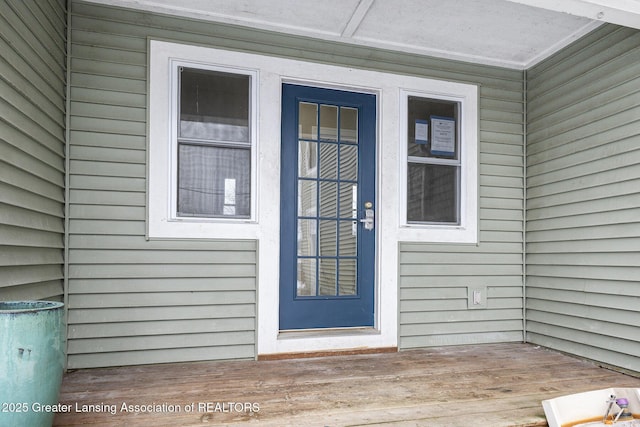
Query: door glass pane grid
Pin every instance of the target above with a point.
(329, 123)
(327, 185)
(347, 276)
(307, 277)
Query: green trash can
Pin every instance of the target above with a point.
(32, 338)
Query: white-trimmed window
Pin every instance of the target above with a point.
(439, 172)
(213, 139)
(433, 161)
(202, 147)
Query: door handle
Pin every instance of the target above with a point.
(368, 219)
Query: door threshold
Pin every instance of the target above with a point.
(326, 332)
(328, 353)
(303, 343)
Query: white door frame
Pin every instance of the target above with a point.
(271, 73)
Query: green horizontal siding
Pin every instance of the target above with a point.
(107, 194)
(131, 300)
(583, 205)
(168, 301)
(434, 287)
(435, 279)
(136, 301)
(32, 102)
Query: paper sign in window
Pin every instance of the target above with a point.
(422, 131)
(229, 196)
(443, 136)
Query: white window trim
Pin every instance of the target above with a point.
(175, 65)
(467, 230)
(163, 221)
(272, 72)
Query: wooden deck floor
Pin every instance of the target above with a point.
(481, 385)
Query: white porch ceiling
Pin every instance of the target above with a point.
(509, 33)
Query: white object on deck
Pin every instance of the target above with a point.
(588, 409)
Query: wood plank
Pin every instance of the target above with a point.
(489, 385)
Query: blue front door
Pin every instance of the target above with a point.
(327, 223)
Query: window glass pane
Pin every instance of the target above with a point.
(306, 285)
(348, 200)
(329, 122)
(327, 277)
(421, 140)
(328, 160)
(214, 181)
(308, 121)
(214, 105)
(347, 239)
(307, 234)
(329, 199)
(348, 162)
(328, 240)
(347, 277)
(432, 193)
(307, 159)
(348, 124)
(307, 197)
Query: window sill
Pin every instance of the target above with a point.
(430, 233)
(215, 228)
